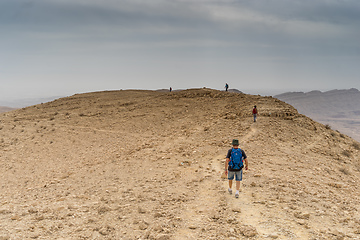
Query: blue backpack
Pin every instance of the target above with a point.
(236, 159)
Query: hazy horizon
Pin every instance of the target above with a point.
(263, 92)
(28, 101)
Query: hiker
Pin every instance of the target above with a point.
(255, 113)
(226, 86)
(234, 164)
(170, 89)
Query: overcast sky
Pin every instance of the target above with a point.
(63, 47)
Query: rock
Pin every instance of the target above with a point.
(141, 210)
(301, 222)
(158, 214)
(214, 215)
(105, 230)
(302, 215)
(17, 218)
(162, 237)
(339, 235)
(231, 220)
(273, 236)
(96, 235)
(236, 209)
(143, 226)
(248, 231)
(158, 228)
(335, 185)
(193, 227)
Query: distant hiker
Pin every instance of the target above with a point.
(226, 86)
(170, 89)
(234, 164)
(255, 113)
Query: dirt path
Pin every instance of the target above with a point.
(251, 211)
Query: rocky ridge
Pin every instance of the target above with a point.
(147, 165)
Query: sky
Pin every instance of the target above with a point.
(63, 47)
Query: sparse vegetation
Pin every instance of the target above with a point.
(356, 145)
(357, 165)
(345, 170)
(346, 153)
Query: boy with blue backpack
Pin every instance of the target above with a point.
(234, 164)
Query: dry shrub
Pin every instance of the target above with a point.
(344, 170)
(357, 166)
(346, 153)
(327, 126)
(356, 145)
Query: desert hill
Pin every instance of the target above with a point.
(338, 108)
(147, 165)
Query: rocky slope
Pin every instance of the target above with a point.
(147, 165)
(339, 109)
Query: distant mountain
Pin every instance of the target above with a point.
(6, 109)
(20, 103)
(338, 108)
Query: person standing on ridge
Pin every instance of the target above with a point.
(234, 164)
(255, 113)
(170, 89)
(226, 87)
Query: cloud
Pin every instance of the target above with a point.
(163, 38)
(236, 20)
(270, 27)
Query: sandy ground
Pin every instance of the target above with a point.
(148, 165)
